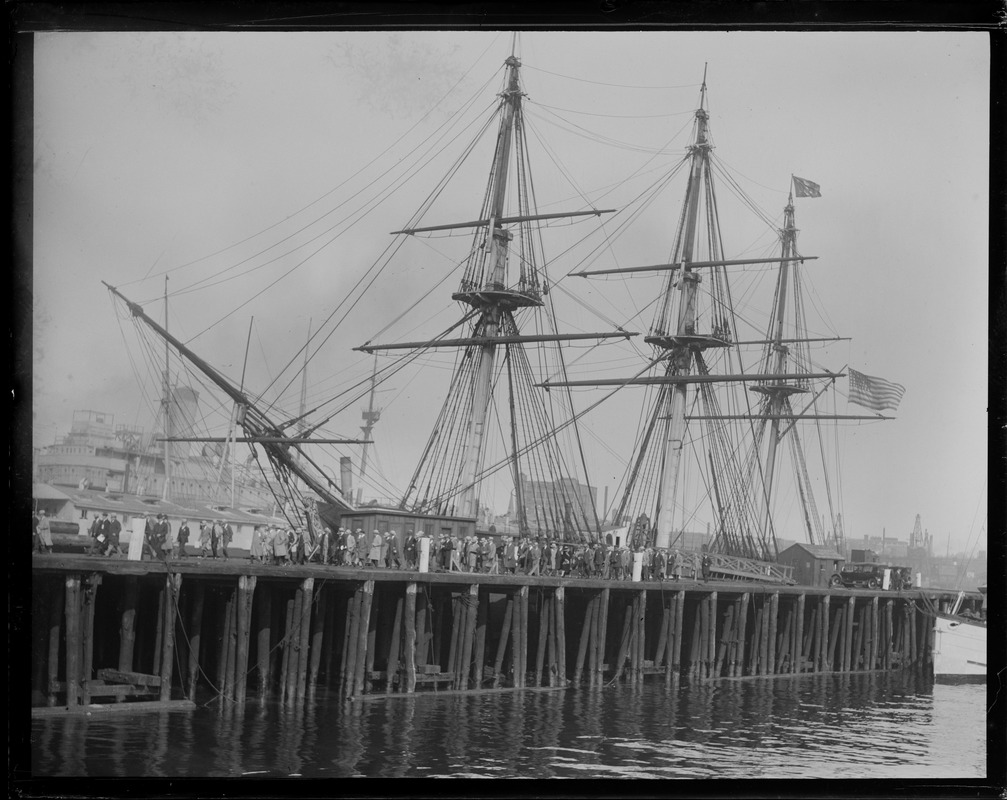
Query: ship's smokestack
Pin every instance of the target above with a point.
(346, 477)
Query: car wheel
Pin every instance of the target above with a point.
(835, 580)
(872, 583)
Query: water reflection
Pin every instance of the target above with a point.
(852, 726)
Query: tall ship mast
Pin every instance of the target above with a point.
(503, 280)
(704, 380)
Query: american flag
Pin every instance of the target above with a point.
(806, 188)
(874, 393)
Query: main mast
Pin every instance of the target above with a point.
(491, 299)
(680, 349)
(453, 469)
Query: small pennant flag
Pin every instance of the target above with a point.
(874, 393)
(806, 188)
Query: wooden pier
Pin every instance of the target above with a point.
(108, 631)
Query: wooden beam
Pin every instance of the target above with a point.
(505, 636)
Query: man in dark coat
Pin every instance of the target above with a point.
(183, 538)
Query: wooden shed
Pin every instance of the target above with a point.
(813, 564)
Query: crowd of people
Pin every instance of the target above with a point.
(280, 545)
(479, 554)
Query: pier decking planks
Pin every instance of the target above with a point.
(391, 631)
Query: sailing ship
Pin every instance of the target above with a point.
(712, 389)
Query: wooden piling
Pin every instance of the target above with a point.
(676, 648)
(57, 609)
(602, 636)
(307, 595)
(351, 633)
(825, 664)
(230, 643)
(422, 636)
(739, 658)
(847, 635)
(73, 639)
(798, 641)
(127, 623)
(543, 633)
(172, 587)
(711, 636)
(330, 640)
(888, 641)
(195, 632)
(479, 656)
(724, 646)
(874, 627)
(294, 646)
(504, 638)
(410, 642)
(456, 603)
(590, 610)
(559, 609)
(641, 641)
(392, 665)
(288, 635)
(471, 607)
(785, 634)
(522, 637)
(774, 613)
(834, 635)
(264, 640)
(367, 596)
(913, 623)
(89, 596)
(246, 592)
(158, 632)
(624, 640)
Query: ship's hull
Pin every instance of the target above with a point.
(959, 649)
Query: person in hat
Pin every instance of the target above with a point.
(392, 559)
(164, 536)
(44, 532)
(225, 539)
(114, 531)
(255, 548)
(409, 549)
(216, 531)
(204, 538)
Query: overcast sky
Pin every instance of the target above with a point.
(189, 153)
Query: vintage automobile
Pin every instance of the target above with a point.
(872, 576)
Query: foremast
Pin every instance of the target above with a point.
(680, 349)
